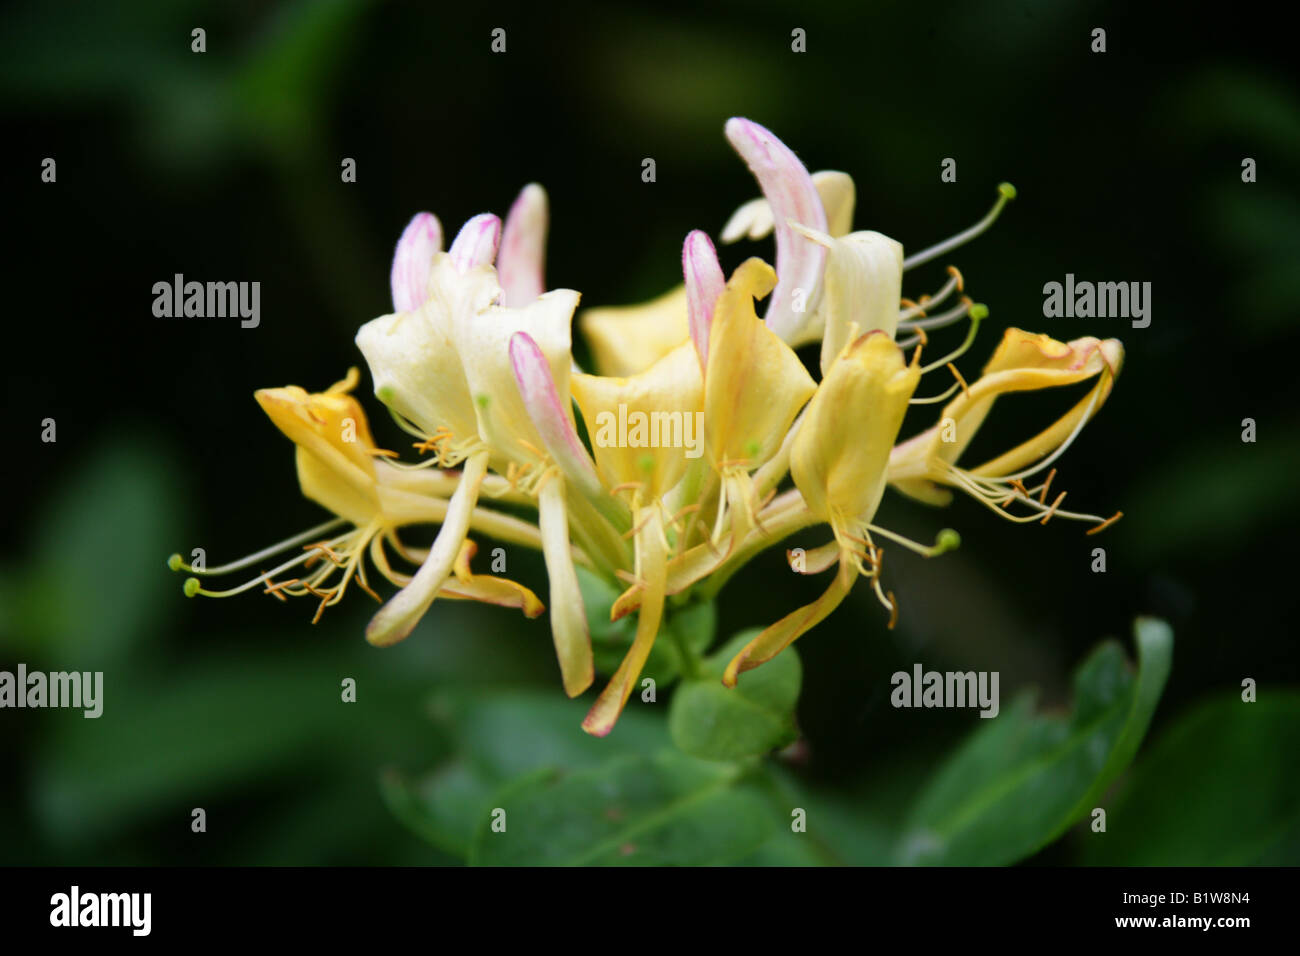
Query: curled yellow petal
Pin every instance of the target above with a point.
(791, 627)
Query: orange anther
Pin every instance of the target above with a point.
(1107, 523)
(956, 374)
(1052, 510)
(1042, 497)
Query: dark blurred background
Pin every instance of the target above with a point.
(226, 166)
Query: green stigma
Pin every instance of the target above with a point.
(1007, 190)
(979, 311)
(175, 562)
(947, 540)
(191, 587)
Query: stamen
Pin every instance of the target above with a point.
(274, 589)
(929, 302)
(176, 563)
(193, 586)
(1006, 192)
(998, 494)
(941, 320)
(1052, 510)
(324, 548)
(946, 540)
(978, 313)
(1083, 420)
(1042, 497)
(1107, 523)
(961, 381)
(935, 399)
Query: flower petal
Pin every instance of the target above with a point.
(551, 417)
(704, 283)
(652, 560)
(476, 243)
(793, 197)
(754, 384)
(668, 395)
(1022, 362)
(421, 239)
(396, 619)
(522, 259)
(483, 342)
(861, 287)
(842, 448)
(791, 627)
(568, 613)
(753, 220)
(628, 339)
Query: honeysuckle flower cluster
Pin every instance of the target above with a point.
(475, 362)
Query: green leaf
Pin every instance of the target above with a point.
(709, 720)
(502, 735)
(1221, 787)
(840, 828)
(634, 810)
(508, 732)
(443, 807)
(1022, 779)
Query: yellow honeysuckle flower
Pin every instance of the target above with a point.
(340, 468)
(708, 440)
(922, 466)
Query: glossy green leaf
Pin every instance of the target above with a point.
(1021, 779)
(709, 720)
(633, 810)
(1221, 787)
